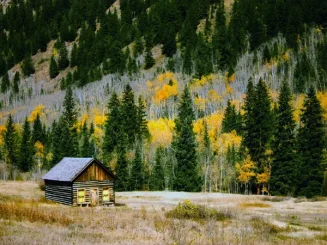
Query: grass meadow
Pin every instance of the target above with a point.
(26, 217)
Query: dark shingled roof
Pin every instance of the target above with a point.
(69, 168)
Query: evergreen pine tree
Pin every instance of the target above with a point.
(143, 131)
(129, 114)
(85, 144)
(157, 178)
(11, 143)
(27, 66)
(63, 61)
(283, 166)
(5, 83)
(231, 120)
(37, 130)
(137, 174)
(112, 125)
(310, 174)
(53, 69)
(69, 123)
(74, 56)
(149, 61)
(122, 181)
(26, 148)
(16, 83)
(187, 61)
(249, 115)
(187, 176)
(258, 123)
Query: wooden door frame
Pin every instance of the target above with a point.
(98, 194)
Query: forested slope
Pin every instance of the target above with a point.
(134, 58)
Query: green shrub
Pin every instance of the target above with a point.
(188, 210)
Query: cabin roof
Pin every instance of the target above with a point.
(69, 168)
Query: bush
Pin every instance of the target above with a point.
(188, 210)
(41, 185)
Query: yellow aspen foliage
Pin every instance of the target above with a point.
(98, 132)
(161, 131)
(81, 121)
(263, 177)
(214, 96)
(229, 139)
(164, 87)
(55, 52)
(245, 170)
(298, 106)
(197, 83)
(38, 110)
(200, 103)
(149, 84)
(39, 149)
(99, 120)
(3, 129)
(322, 97)
(286, 56)
(231, 78)
(229, 90)
(97, 116)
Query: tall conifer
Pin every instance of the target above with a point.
(283, 166)
(187, 176)
(310, 139)
(26, 148)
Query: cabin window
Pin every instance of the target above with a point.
(81, 195)
(105, 195)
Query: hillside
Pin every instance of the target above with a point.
(127, 63)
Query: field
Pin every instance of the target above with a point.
(147, 218)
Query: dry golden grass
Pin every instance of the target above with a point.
(27, 218)
(254, 205)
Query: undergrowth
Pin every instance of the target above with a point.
(189, 210)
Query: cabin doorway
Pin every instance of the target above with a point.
(94, 197)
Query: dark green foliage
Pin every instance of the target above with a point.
(187, 176)
(157, 178)
(74, 56)
(283, 166)
(70, 111)
(5, 83)
(258, 123)
(112, 125)
(143, 131)
(53, 69)
(137, 174)
(122, 181)
(203, 62)
(26, 150)
(27, 66)
(16, 83)
(169, 42)
(232, 119)
(187, 61)
(63, 61)
(303, 74)
(149, 61)
(38, 130)
(85, 146)
(220, 38)
(310, 171)
(129, 115)
(11, 144)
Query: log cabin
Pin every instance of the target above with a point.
(80, 182)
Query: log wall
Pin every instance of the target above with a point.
(59, 193)
(88, 186)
